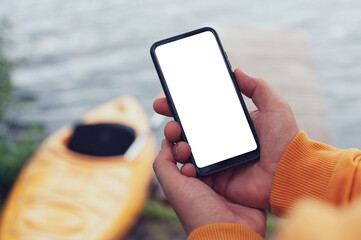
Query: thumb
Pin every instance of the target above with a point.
(165, 168)
(262, 94)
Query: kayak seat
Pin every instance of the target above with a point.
(104, 139)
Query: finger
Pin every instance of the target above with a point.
(182, 151)
(172, 131)
(262, 95)
(160, 105)
(165, 168)
(189, 170)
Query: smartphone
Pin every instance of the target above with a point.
(205, 100)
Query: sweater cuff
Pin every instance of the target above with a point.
(304, 171)
(224, 231)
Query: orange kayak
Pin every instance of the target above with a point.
(71, 194)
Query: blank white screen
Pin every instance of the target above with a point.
(205, 99)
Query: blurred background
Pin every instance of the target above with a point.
(60, 59)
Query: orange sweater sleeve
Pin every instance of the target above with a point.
(310, 169)
(224, 231)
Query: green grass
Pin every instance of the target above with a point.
(6, 67)
(161, 211)
(271, 225)
(14, 153)
(17, 143)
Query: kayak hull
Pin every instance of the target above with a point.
(61, 194)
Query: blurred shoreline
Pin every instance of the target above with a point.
(83, 53)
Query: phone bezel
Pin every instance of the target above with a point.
(226, 163)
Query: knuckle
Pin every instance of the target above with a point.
(262, 81)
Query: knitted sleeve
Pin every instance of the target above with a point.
(310, 169)
(224, 231)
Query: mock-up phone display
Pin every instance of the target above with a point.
(204, 97)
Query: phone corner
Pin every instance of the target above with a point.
(201, 173)
(153, 48)
(208, 28)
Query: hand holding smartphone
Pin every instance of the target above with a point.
(205, 100)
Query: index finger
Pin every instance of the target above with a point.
(160, 105)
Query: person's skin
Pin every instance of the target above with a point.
(235, 195)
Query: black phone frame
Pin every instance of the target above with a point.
(227, 163)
